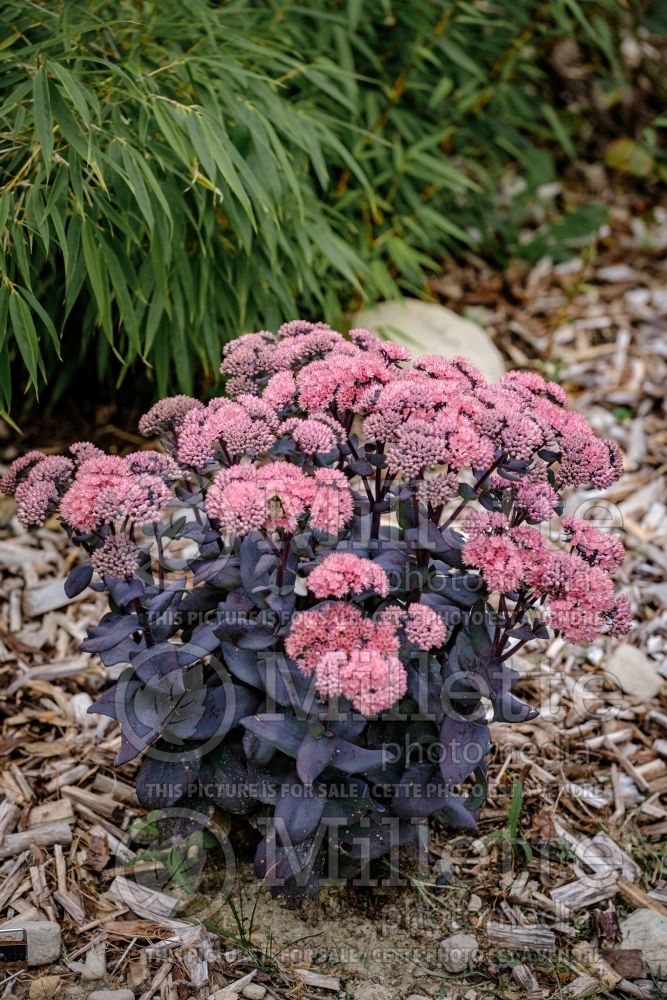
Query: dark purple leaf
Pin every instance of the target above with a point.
(507, 708)
(314, 755)
(78, 580)
(298, 811)
(293, 873)
(284, 732)
(123, 592)
(242, 663)
(464, 745)
(165, 778)
(109, 633)
(352, 759)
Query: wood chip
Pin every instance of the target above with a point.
(517, 937)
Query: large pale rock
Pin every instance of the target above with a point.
(429, 328)
(635, 673)
(42, 937)
(646, 930)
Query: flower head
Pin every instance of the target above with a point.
(332, 506)
(167, 415)
(600, 548)
(424, 627)
(39, 492)
(18, 470)
(343, 573)
(118, 557)
(311, 435)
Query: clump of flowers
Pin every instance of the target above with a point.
(300, 567)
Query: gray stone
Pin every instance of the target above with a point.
(254, 991)
(43, 939)
(646, 930)
(111, 995)
(95, 966)
(417, 996)
(429, 328)
(636, 674)
(458, 951)
(475, 903)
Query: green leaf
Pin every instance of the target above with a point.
(43, 122)
(26, 335)
(629, 157)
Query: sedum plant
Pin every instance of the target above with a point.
(317, 582)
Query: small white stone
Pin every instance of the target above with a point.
(646, 930)
(634, 672)
(458, 951)
(475, 903)
(430, 328)
(42, 937)
(417, 996)
(254, 991)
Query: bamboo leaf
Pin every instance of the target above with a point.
(43, 122)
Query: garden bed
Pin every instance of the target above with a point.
(591, 762)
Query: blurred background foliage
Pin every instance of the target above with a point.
(174, 173)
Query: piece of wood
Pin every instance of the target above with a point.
(583, 986)
(145, 902)
(157, 981)
(49, 597)
(70, 905)
(234, 989)
(138, 972)
(118, 790)
(317, 980)
(69, 777)
(636, 897)
(58, 811)
(12, 879)
(523, 975)
(586, 891)
(517, 937)
(144, 929)
(43, 836)
(9, 817)
(101, 805)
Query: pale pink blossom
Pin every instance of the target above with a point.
(343, 573)
(424, 627)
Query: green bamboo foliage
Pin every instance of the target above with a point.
(177, 172)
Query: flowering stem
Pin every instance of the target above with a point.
(136, 604)
(160, 555)
(482, 479)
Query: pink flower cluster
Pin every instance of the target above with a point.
(274, 497)
(575, 587)
(600, 548)
(349, 654)
(38, 493)
(356, 656)
(342, 574)
(118, 557)
(166, 416)
(105, 489)
(226, 428)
